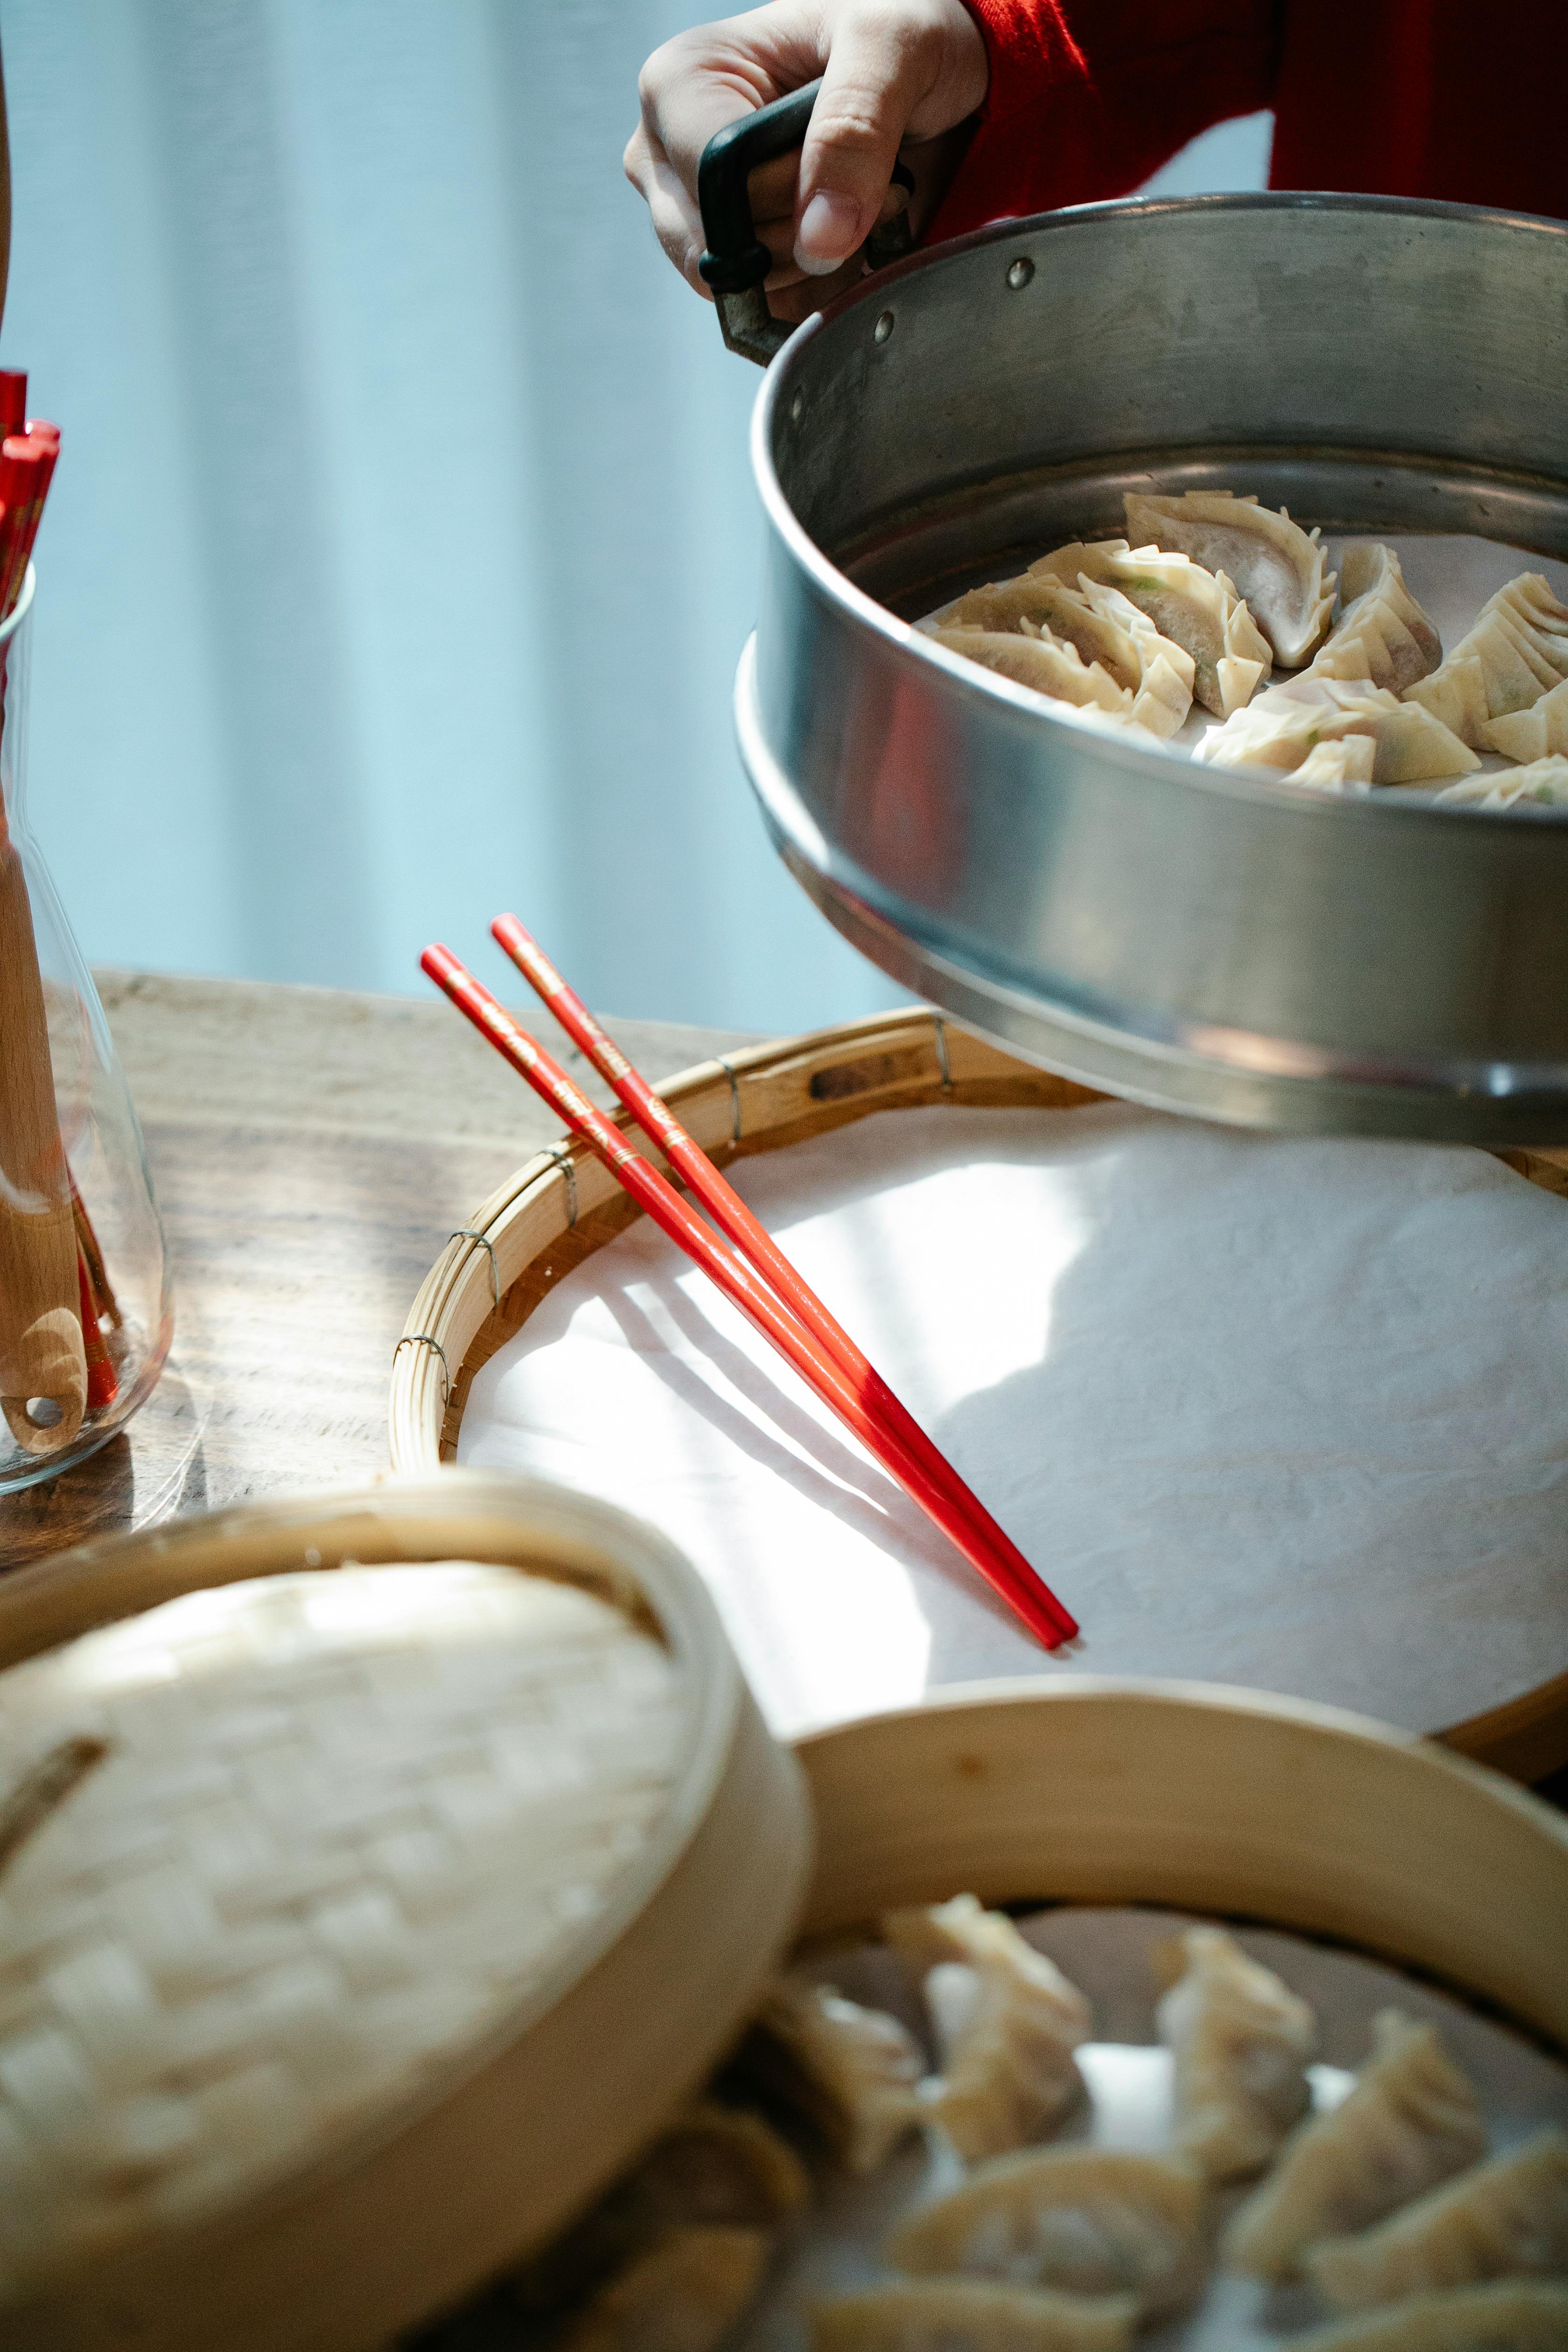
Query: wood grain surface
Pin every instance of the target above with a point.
(311, 1151)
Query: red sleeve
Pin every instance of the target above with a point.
(1087, 98)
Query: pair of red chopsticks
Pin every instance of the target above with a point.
(760, 1280)
(28, 449)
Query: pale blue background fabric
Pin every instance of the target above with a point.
(402, 543)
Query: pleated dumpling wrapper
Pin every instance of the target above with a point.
(1534, 734)
(1276, 565)
(1289, 721)
(684, 2295)
(339, 1827)
(1505, 2218)
(1345, 765)
(1086, 2221)
(711, 2166)
(1515, 2318)
(1198, 610)
(1410, 2121)
(852, 2073)
(1040, 663)
(1516, 652)
(1382, 634)
(1008, 2022)
(1101, 624)
(971, 2315)
(1241, 2042)
(1541, 784)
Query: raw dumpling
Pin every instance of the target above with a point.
(1008, 2022)
(1344, 766)
(971, 2315)
(1290, 720)
(1534, 733)
(852, 2072)
(710, 2164)
(1086, 2220)
(1477, 2319)
(1542, 783)
(1410, 2121)
(1162, 695)
(1241, 2043)
(1276, 565)
(683, 2295)
(1040, 663)
(1189, 607)
(1516, 652)
(1382, 634)
(1508, 2219)
(1099, 625)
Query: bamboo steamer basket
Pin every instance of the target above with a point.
(561, 1205)
(1234, 1803)
(400, 2206)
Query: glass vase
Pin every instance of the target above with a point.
(85, 1315)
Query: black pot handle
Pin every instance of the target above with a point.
(737, 261)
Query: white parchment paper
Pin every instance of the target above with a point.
(1283, 1413)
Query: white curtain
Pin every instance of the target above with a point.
(402, 543)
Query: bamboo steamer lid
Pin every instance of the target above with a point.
(355, 1926)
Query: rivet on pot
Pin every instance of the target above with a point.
(797, 407)
(883, 328)
(1019, 273)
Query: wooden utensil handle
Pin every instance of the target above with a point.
(42, 1356)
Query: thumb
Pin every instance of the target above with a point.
(878, 70)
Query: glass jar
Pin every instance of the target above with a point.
(85, 1313)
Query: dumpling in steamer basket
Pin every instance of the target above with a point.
(1383, 634)
(1290, 720)
(1517, 651)
(1099, 625)
(971, 2315)
(1008, 2024)
(1410, 2122)
(1512, 2318)
(1040, 663)
(1198, 610)
(684, 2296)
(1089, 2220)
(1241, 2042)
(710, 2164)
(853, 2073)
(1276, 565)
(1505, 2220)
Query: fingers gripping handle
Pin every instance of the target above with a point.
(737, 261)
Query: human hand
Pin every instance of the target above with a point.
(895, 73)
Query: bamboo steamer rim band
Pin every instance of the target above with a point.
(1239, 1803)
(561, 1205)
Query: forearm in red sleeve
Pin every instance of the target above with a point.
(1087, 98)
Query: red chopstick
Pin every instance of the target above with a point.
(1018, 1585)
(730, 1213)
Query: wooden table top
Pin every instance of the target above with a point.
(311, 1151)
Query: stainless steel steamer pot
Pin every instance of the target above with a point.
(1240, 949)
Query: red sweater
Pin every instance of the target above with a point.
(1410, 98)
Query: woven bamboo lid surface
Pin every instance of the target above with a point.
(389, 1906)
(561, 1206)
